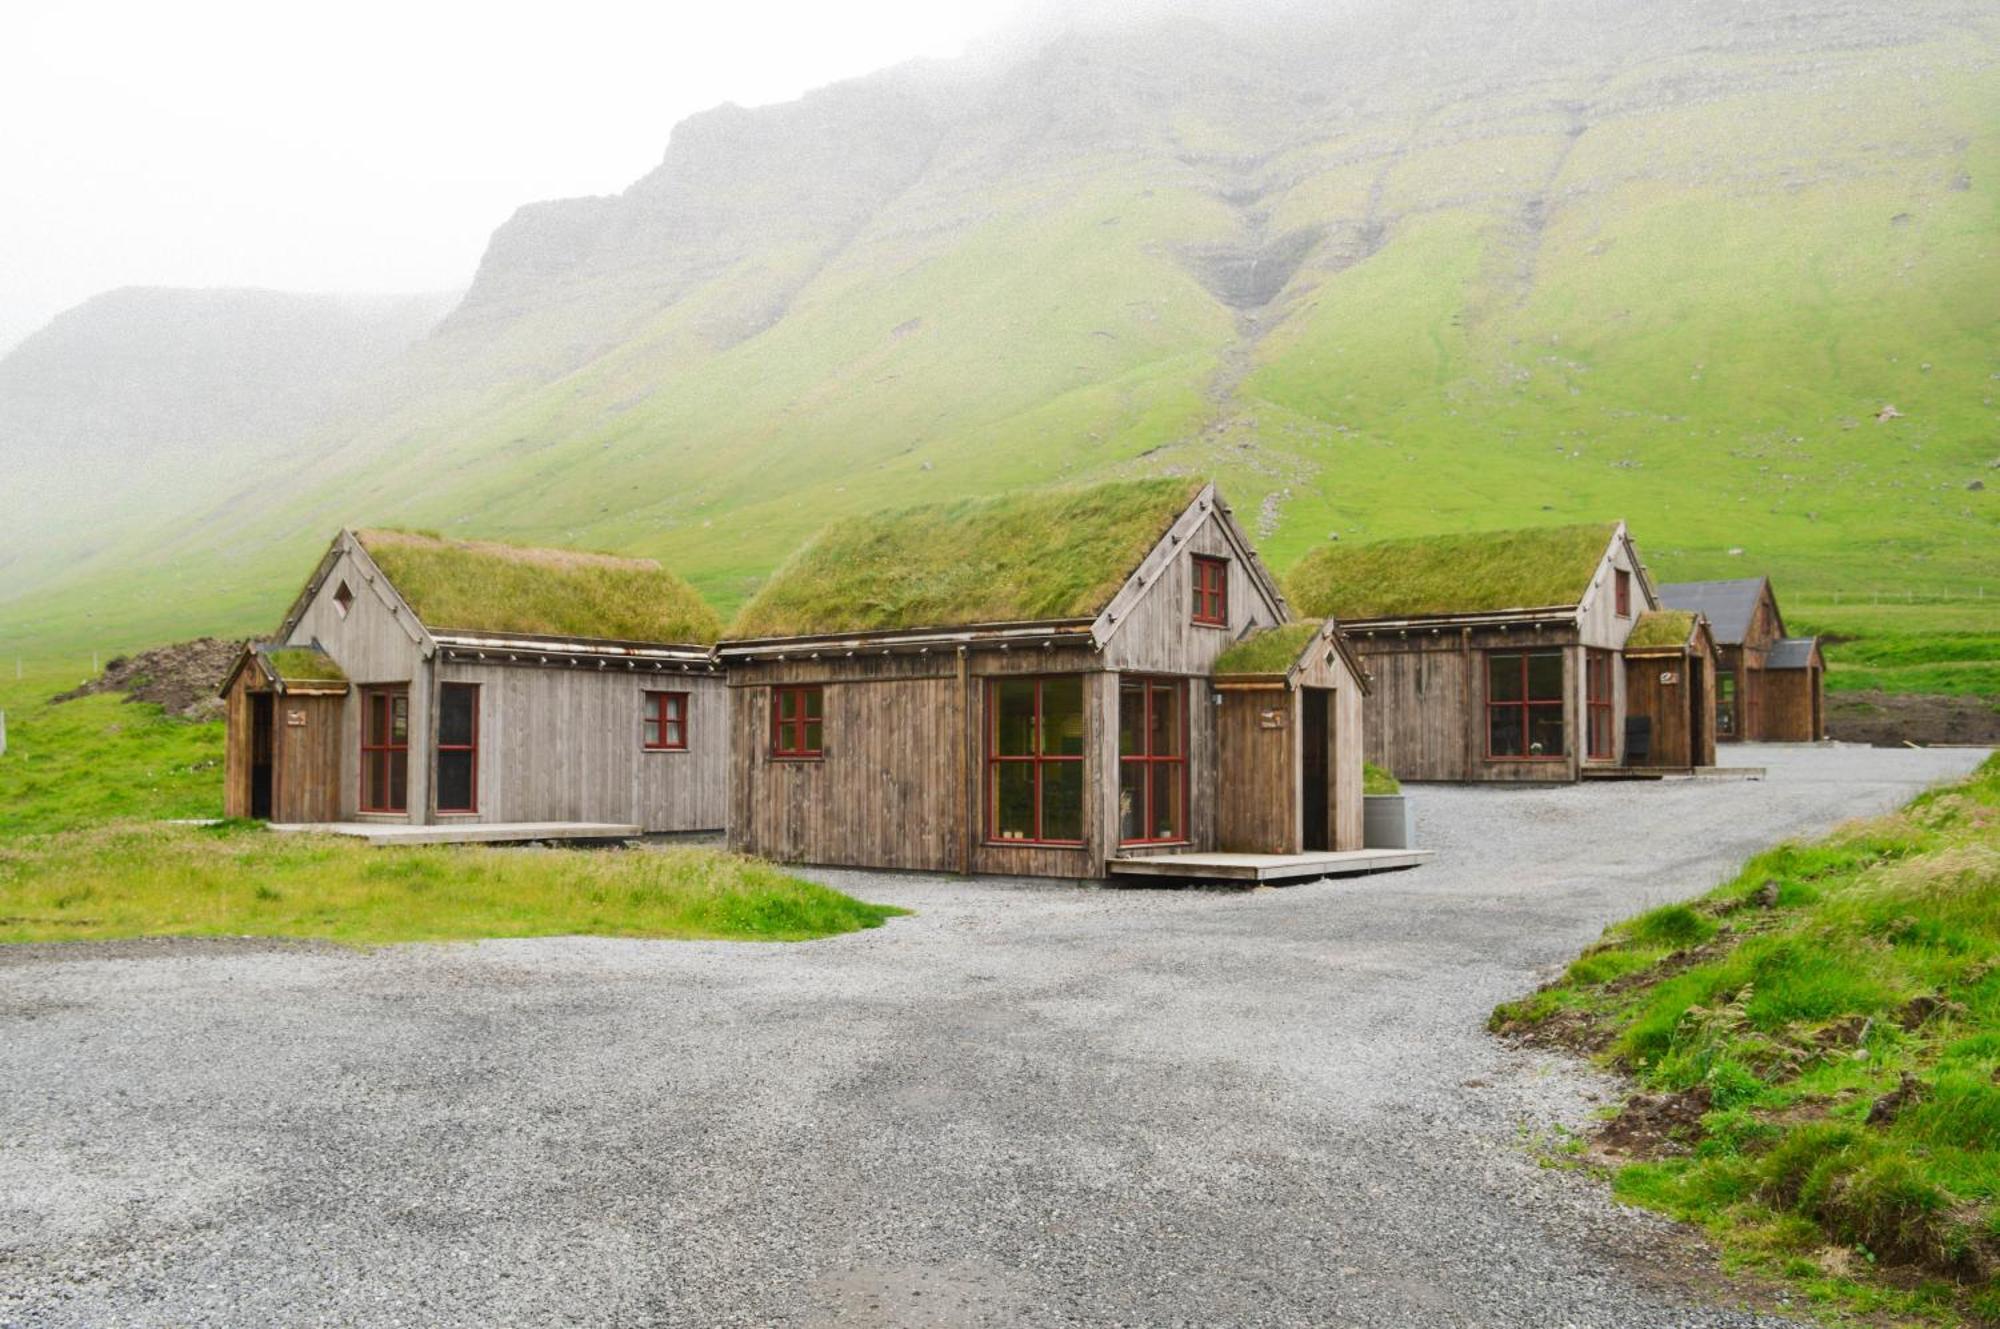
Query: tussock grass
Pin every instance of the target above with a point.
(236, 879)
(1052, 553)
(1836, 1012)
(1448, 574)
(1271, 651)
(487, 586)
(1661, 627)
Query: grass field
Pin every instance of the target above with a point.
(1825, 1032)
(85, 785)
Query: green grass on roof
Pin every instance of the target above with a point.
(1661, 627)
(1039, 554)
(1269, 651)
(486, 586)
(302, 664)
(1475, 572)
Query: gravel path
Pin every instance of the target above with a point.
(1027, 1105)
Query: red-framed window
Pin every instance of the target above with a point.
(798, 722)
(1599, 711)
(664, 727)
(1152, 761)
(1622, 581)
(1034, 760)
(1524, 705)
(1211, 591)
(385, 749)
(458, 748)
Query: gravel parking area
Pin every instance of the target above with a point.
(1027, 1105)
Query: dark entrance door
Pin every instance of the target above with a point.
(1698, 716)
(1316, 733)
(260, 755)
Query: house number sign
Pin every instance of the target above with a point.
(295, 719)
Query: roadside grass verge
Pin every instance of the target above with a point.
(1818, 1048)
(237, 879)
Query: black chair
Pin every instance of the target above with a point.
(1638, 739)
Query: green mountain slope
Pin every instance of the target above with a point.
(1378, 272)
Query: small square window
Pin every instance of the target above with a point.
(343, 600)
(665, 728)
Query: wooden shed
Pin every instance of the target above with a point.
(1743, 614)
(1494, 655)
(1670, 691)
(1288, 711)
(1019, 685)
(424, 681)
(1794, 691)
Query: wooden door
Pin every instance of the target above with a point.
(1316, 734)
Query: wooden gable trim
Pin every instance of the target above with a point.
(1206, 504)
(373, 578)
(1603, 579)
(1331, 635)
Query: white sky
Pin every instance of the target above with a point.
(368, 146)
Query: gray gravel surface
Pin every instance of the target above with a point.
(1029, 1104)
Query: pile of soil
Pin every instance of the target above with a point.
(181, 679)
(1889, 719)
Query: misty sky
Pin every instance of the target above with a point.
(368, 146)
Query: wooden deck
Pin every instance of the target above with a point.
(1673, 772)
(1266, 867)
(474, 832)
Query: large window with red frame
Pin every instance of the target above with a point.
(1211, 591)
(1034, 760)
(798, 722)
(1524, 705)
(458, 748)
(665, 726)
(1152, 761)
(385, 750)
(1600, 712)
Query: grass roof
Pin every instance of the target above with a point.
(1039, 554)
(303, 664)
(1269, 650)
(1476, 572)
(1661, 627)
(485, 586)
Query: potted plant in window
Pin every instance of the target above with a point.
(1385, 811)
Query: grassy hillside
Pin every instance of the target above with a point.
(1820, 1042)
(1478, 269)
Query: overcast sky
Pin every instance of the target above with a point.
(368, 146)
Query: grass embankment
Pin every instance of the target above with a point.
(1820, 1039)
(237, 879)
(84, 785)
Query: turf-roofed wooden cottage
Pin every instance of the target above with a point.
(1020, 685)
(431, 681)
(1670, 690)
(1495, 655)
(1770, 688)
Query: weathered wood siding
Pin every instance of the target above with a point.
(567, 745)
(1257, 789)
(1794, 705)
(1155, 632)
(1325, 668)
(1426, 716)
(236, 757)
(376, 642)
(305, 758)
(1658, 687)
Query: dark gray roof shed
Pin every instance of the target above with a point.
(1791, 653)
(1727, 605)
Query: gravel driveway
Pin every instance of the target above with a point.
(1027, 1105)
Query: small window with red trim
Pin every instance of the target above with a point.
(798, 722)
(1624, 583)
(1211, 591)
(666, 722)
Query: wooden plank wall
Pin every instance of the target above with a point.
(305, 758)
(1257, 785)
(1788, 705)
(1657, 686)
(1426, 716)
(236, 756)
(374, 643)
(1157, 635)
(566, 745)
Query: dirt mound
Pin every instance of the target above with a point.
(181, 678)
(1889, 719)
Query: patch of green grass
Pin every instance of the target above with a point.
(100, 758)
(302, 664)
(1271, 651)
(1838, 1003)
(133, 880)
(1058, 553)
(494, 587)
(1661, 627)
(1521, 569)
